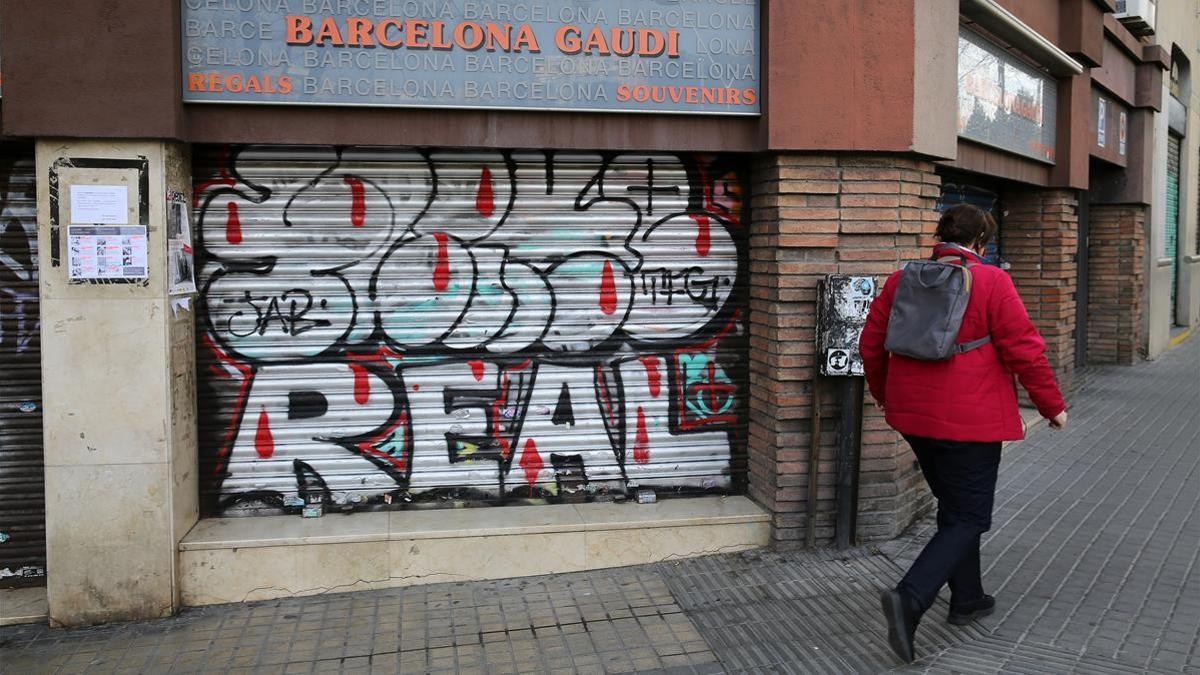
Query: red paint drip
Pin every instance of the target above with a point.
(233, 224)
(239, 405)
(703, 234)
(485, 196)
(441, 271)
(362, 383)
(264, 442)
(652, 375)
(641, 444)
(608, 290)
(477, 370)
(358, 201)
(532, 462)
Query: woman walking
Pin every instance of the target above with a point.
(956, 413)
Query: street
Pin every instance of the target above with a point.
(1093, 560)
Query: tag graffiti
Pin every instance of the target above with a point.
(381, 324)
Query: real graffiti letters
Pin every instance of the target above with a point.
(381, 324)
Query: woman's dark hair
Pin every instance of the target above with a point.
(967, 225)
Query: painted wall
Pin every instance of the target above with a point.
(386, 325)
(1178, 24)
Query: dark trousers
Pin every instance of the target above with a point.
(962, 477)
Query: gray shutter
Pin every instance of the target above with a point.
(22, 483)
(385, 325)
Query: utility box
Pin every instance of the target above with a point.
(842, 313)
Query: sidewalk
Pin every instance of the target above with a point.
(1093, 559)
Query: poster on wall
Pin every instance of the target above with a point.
(101, 242)
(697, 57)
(1102, 123)
(181, 265)
(106, 252)
(1003, 102)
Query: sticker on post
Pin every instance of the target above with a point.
(837, 361)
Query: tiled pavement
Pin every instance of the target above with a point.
(1093, 559)
(1096, 534)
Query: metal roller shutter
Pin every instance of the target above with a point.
(1174, 150)
(22, 482)
(383, 326)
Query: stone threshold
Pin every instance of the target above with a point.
(23, 605)
(244, 559)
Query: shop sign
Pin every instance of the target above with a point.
(1002, 102)
(665, 56)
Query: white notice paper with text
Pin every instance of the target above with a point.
(100, 204)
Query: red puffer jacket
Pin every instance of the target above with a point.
(971, 396)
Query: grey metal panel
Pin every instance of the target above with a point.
(384, 325)
(22, 484)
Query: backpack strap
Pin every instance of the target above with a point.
(965, 347)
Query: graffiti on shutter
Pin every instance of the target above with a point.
(22, 484)
(383, 324)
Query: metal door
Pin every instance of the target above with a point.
(22, 483)
(382, 326)
(1174, 149)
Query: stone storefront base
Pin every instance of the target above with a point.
(247, 559)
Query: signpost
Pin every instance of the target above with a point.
(695, 57)
(844, 303)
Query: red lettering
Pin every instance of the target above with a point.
(417, 34)
(596, 43)
(526, 40)
(567, 40)
(476, 39)
(359, 31)
(499, 36)
(439, 41)
(299, 30)
(329, 33)
(384, 38)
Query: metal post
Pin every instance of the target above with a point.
(814, 460)
(848, 460)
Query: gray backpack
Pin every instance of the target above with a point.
(928, 310)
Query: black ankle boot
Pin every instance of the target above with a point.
(963, 614)
(901, 616)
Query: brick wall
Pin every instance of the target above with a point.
(1040, 239)
(815, 215)
(1116, 280)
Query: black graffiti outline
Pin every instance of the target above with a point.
(536, 347)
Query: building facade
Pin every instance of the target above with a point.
(470, 280)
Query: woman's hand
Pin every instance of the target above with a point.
(1059, 421)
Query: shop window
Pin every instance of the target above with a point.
(956, 193)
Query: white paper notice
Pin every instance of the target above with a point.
(100, 204)
(107, 252)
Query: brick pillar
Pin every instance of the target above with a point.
(1040, 238)
(1116, 281)
(814, 215)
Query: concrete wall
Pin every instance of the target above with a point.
(119, 400)
(1178, 25)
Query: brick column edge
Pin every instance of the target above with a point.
(813, 215)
